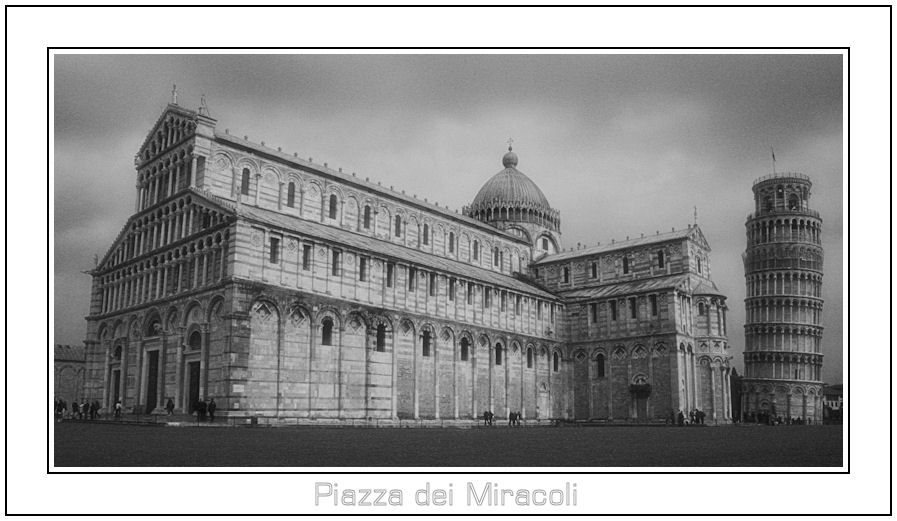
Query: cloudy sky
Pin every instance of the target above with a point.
(620, 145)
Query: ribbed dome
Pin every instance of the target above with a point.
(511, 187)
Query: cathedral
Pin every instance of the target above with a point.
(286, 289)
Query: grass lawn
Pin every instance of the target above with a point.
(110, 445)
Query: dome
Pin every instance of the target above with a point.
(511, 187)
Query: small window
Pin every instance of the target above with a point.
(613, 309)
(476, 250)
(380, 346)
(529, 358)
(702, 310)
(244, 185)
(306, 257)
(327, 331)
(566, 275)
(363, 269)
(334, 263)
(425, 343)
(432, 284)
(551, 309)
(593, 312)
(451, 242)
(195, 342)
(600, 363)
(594, 270)
(539, 310)
(398, 226)
(291, 195)
(426, 234)
(274, 250)
(661, 262)
(390, 274)
(545, 243)
(487, 297)
(367, 218)
(465, 349)
(653, 300)
(412, 278)
(333, 204)
(495, 257)
(518, 305)
(469, 293)
(554, 362)
(503, 301)
(625, 265)
(700, 268)
(498, 352)
(633, 308)
(451, 291)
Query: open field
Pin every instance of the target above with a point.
(111, 445)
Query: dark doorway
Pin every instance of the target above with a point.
(152, 381)
(641, 409)
(193, 386)
(116, 387)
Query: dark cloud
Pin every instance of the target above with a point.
(621, 145)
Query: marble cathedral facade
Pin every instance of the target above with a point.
(285, 288)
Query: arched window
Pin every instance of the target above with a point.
(701, 309)
(426, 234)
(495, 256)
(625, 265)
(700, 267)
(291, 195)
(600, 361)
(465, 349)
(195, 341)
(793, 203)
(367, 217)
(554, 362)
(117, 353)
(333, 206)
(529, 358)
(476, 250)
(451, 242)
(381, 338)
(498, 350)
(398, 226)
(660, 259)
(244, 185)
(566, 274)
(425, 343)
(327, 331)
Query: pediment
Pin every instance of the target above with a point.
(697, 236)
(174, 126)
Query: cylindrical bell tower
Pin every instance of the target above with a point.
(783, 304)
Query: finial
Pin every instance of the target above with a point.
(174, 94)
(203, 108)
(510, 144)
(696, 215)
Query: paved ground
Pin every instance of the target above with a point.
(110, 445)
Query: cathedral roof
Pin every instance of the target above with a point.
(628, 288)
(510, 187)
(68, 353)
(691, 231)
(388, 249)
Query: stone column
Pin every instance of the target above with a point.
(179, 371)
(192, 170)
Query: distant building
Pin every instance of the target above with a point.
(286, 288)
(833, 403)
(783, 304)
(68, 372)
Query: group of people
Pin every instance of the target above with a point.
(513, 418)
(203, 408)
(768, 419)
(695, 417)
(80, 411)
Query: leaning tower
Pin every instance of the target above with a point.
(783, 304)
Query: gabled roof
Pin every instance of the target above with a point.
(692, 232)
(69, 353)
(169, 109)
(387, 249)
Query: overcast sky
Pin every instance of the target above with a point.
(620, 145)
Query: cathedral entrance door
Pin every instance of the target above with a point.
(152, 380)
(192, 386)
(641, 409)
(115, 389)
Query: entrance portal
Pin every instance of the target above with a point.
(641, 409)
(192, 386)
(152, 381)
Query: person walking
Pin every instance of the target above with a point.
(169, 406)
(118, 408)
(211, 409)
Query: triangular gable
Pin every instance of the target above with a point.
(173, 126)
(697, 236)
(208, 200)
